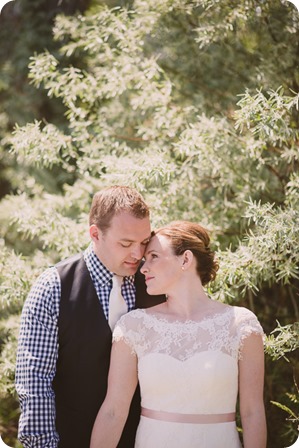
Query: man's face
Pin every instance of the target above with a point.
(122, 246)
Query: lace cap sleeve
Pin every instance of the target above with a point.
(247, 324)
(126, 330)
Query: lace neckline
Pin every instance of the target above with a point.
(165, 320)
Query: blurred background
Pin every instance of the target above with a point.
(195, 103)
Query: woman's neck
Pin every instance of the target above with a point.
(187, 301)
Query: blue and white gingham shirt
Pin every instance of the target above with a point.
(38, 349)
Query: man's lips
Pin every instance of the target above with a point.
(132, 264)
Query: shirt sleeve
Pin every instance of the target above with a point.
(36, 362)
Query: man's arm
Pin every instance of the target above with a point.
(36, 363)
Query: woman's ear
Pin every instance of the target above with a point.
(187, 259)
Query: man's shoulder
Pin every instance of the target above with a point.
(70, 267)
(70, 260)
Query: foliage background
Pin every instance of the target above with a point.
(195, 103)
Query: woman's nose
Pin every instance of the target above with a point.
(143, 268)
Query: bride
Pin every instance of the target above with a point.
(193, 357)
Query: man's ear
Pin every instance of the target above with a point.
(94, 232)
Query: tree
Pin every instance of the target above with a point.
(196, 104)
(26, 28)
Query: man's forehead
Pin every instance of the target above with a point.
(125, 216)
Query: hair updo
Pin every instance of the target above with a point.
(185, 235)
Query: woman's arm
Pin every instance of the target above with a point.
(122, 382)
(251, 387)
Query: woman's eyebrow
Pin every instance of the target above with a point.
(150, 251)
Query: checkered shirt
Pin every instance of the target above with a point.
(38, 349)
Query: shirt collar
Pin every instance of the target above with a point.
(98, 271)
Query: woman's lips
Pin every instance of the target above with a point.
(147, 279)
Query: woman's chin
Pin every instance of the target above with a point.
(153, 291)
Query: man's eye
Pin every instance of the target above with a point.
(125, 244)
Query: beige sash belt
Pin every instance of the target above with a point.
(188, 418)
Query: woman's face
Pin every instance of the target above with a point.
(162, 268)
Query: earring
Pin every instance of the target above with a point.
(183, 268)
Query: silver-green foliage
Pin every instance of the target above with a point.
(152, 102)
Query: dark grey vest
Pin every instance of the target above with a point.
(85, 337)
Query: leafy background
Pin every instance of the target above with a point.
(195, 103)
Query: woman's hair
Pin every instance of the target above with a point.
(113, 200)
(185, 235)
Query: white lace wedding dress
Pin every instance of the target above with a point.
(187, 368)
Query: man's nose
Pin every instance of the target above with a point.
(138, 251)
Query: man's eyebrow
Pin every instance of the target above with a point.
(127, 240)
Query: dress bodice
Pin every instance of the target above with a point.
(146, 332)
(187, 367)
(196, 359)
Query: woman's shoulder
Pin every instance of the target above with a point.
(241, 312)
(131, 318)
(138, 313)
(246, 320)
(127, 327)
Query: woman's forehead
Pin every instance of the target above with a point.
(157, 242)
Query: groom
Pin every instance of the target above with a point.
(65, 338)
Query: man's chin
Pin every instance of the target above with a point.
(130, 269)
